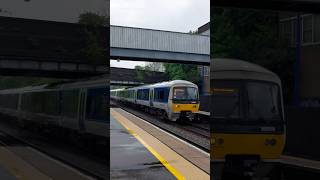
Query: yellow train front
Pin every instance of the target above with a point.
(247, 119)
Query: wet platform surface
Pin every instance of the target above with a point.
(129, 159)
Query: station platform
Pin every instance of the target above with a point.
(300, 162)
(23, 162)
(204, 113)
(140, 150)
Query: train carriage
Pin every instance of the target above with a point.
(247, 116)
(172, 100)
(80, 106)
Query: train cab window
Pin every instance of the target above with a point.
(263, 101)
(185, 93)
(226, 100)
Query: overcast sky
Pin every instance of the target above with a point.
(170, 15)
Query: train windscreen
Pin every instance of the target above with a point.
(263, 101)
(185, 94)
(245, 101)
(226, 102)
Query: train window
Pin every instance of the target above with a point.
(32, 102)
(50, 102)
(139, 92)
(263, 101)
(69, 105)
(143, 94)
(9, 101)
(161, 94)
(185, 93)
(226, 100)
(131, 96)
(97, 104)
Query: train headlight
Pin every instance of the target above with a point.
(220, 141)
(213, 141)
(273, 142)
(177, 106)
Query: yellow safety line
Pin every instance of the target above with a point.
(173, 171)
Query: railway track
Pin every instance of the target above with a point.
(197, 130)
(202, 126)
(195, 135)
(89, 166)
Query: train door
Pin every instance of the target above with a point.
(82, 109)
(151, 97)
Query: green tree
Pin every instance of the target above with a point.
(94, 51)
(149, 70)
(93, 19)
(140, 72)
(182, 72)
(252, 35)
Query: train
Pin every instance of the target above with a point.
(173, 100)
(77, 108)
(247, 117)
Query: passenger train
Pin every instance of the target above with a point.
(173, 100)
(80, 108)
(247, 116)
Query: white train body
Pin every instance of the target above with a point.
(172, 99)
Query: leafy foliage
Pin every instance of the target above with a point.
(187, 72)
(148, 70)
(94, 51)
(253, 36)
(93, 19)
(174, 71)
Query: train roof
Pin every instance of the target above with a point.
(60, 85)
(161, 84)
(118, 89)
(225, 64)
(166, 84)
(236, 68)
(23, 89)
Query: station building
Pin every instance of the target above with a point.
(308, 72)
